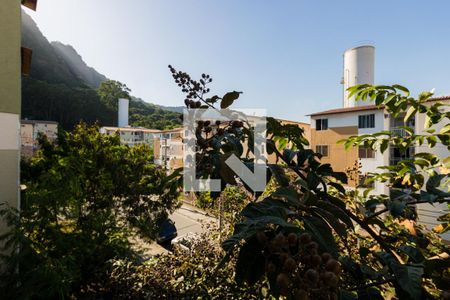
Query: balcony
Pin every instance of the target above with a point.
(401, 132)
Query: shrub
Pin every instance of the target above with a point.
(83, 196)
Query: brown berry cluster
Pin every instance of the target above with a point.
(294, 263)
(193, 89)
(208, 127)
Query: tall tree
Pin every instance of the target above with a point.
(111, 90)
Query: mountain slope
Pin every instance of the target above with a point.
(85, 73)
(62, 88)
(46, 63)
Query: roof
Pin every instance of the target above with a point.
(179, 129)
(440, 98)
(132, 129)
(365, 107)
(346, 109)
(293, 122)
(38, 122)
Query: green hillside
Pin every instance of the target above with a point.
(62, 88)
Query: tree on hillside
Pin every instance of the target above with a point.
(111, 90)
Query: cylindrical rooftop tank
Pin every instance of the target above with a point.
(359, 68)
(123, 112)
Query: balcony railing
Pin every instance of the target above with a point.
(399, 131)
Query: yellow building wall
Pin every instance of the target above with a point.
(10, 100)
(339, 158)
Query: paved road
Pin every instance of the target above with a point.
(189, 219)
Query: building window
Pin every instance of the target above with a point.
(321, 124)
(362, 182)
(322, 149)
(366, 152)
(366, 121)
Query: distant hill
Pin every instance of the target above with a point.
(62, 87)
(47, 64)
(178, 109)
(76, 64)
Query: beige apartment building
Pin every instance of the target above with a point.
(168, 149)
(29, 132)
(133, 135)
(328, 127)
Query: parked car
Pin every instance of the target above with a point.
(186, 242)
(167, 232)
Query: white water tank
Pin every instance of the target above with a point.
(123, 112)
(359, 68)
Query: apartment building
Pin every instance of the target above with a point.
(168, 149)
(133, 135)
(358, 118)
(29, 132)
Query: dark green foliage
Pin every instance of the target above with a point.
(152, 116)
(82, 198)
(70, 105)
(179, 275)
(64, 104)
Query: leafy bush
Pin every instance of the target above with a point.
(179, 275)
(82, 198)
(203, 200)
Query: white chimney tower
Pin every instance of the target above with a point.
(123, 112)
(359, 68)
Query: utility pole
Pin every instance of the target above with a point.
(220, 217)
(165, 153)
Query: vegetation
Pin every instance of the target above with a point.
(304, 237)
(82, 199)
(179, 275)
(309, 238)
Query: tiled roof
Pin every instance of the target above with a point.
(345, 109)
(364, 107)
(173, 130)
(440, 98)
(132, 129)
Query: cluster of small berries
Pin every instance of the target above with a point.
(297, 267)
(194, 89)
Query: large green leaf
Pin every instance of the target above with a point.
(322, 234)
(250, 264)
(409, 278)
(228, 99)
(414, 253)
(337, 211)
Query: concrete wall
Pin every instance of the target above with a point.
(380, 159)
(428, 213)
(10, 101)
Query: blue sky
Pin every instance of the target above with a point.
(286, 56)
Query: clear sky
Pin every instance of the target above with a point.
(286, 55)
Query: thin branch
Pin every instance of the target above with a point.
(409, 203)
